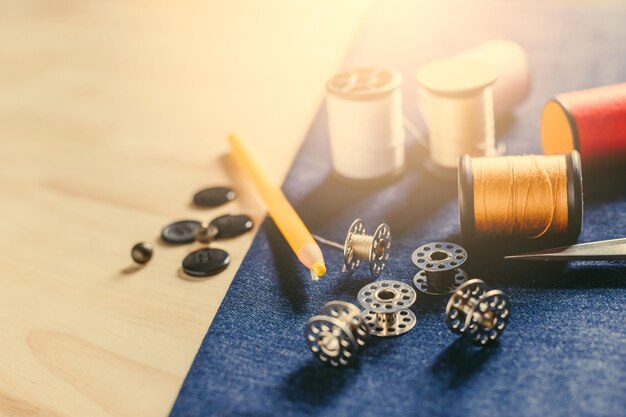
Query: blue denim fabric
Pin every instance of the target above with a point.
(563, 353)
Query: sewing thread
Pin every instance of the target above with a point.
(591, 121)
(525, 196)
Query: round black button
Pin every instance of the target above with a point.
(205, 262)
(214, 196)
(231, 225)
(207, 233)
(183, 231)
(142, 252)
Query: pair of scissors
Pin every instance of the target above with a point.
(602, 250)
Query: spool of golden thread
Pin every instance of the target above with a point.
(527, 196)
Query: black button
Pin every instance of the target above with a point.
(231, 225)
(214, 196)
(207, 234)
(183, 231)
(205, 262)
(142, 252)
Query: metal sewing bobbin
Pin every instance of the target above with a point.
(477, 311)
(336, 333)
(386, 306)
(440, 262)
(359, 246)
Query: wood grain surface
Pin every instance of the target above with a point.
(112, 114)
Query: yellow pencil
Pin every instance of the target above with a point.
(283, 214)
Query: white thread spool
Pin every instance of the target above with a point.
(457, 105)
(511, 62)
(365, 123)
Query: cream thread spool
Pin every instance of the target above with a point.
(365, 123)
(456, 100)
(511, 62)
(564, 200)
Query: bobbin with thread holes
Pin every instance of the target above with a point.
(386, 306)
(440, 267)
(574, 197)
(359, 246)
(476, 311)
(337, 333)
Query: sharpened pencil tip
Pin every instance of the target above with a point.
(319, 269)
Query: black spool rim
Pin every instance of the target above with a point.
(574, 195)
(466, 198)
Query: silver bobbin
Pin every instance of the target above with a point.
(477, 311)
(336, 333)
(439, 262)
(386, 305)
(376, 252)
(359, 246)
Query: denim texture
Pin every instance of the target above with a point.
(563, 353)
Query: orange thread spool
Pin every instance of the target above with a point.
(592, 122)
(520, 196)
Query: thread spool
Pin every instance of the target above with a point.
(592, 122)
(365, 123)
(476, 311)
(511, 62)
(456, 101)
(521, 196)
(440, 262)
(386, 305)
(335, 335)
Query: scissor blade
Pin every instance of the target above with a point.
(604, 250)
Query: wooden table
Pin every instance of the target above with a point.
(112, 114)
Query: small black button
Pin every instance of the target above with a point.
(141, 252)
(214, 196)
(207, 233)
(183, 231)
(231, 225)
(205, 262)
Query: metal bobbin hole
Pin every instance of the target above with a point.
(335, 335)
(477, 311)
(440, 263)
(386, 305)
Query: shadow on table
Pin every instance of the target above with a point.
(488, 263)
(317, 384)
(604, 183)
(289, 271)
(408, 201)
(461, 360)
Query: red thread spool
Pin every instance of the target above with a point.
(593, 122)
